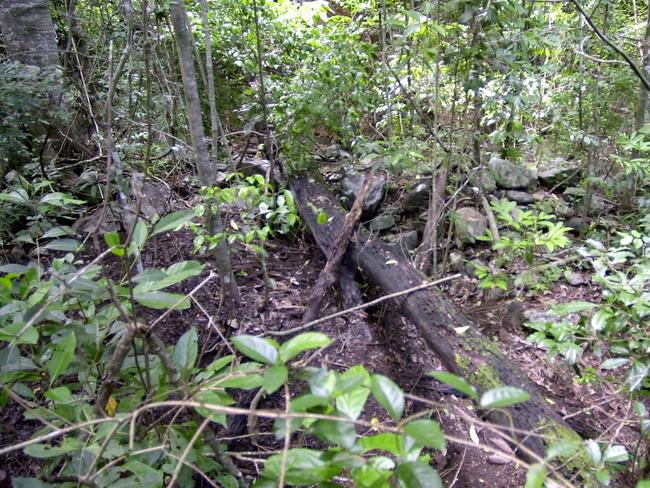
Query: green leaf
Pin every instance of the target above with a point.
(60, 231)
(643, 484)
(140, 234)
(335, 432)
(593, 452)
(303, 467)
(162, 300)
(388, 394)
(504, 396)
(274, 377)
(186, 351)
(351, 403)
(69, 245)
(27, 336)
(301, 343)
(562, 449)
(573, 307)
(256, 348)
(63, 354)
(426, 433)
(152, 280)
(321, 219)
(417, 475)
(42, 451)
(455, 382)
(173, 221)
(18, 196)
(615, 454)
(535, 476)
(392, 443)
(112, 239)
(614, 363)
(30, 483)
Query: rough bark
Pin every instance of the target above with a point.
(205, 167)
(28, 32)
(468, 354)
(331, 271)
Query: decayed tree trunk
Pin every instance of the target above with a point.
(205, 167)
(448, 333)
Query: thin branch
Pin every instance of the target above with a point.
(616, 48)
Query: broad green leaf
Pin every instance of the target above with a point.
(303, 467)
(69, 245)
(18, 196)
(59, 231)
(643, 484)
(186, 350)
(219, 364)
(426, 433)
(162, 300)
(636, 374)
(335, 432)
(599, 320)
(22, 482)
(112, 238)
(535, 476)
(321, 219)
(388, 394)
(140, 234)
(11, 333)
(42, 451)
(614, 363)
(301, 343)
(573, 307)
(214, 397)
(351, 403)
(63, 354)
(274, 377)
(504, 396)
(562, 449)
(615, 454)
(417, 475)
(152, 280)
(455, 382)
(173, 221)
(593, 452)
(392, 443)
(256, 348)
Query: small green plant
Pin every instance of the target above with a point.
(527, 234)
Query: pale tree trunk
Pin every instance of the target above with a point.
(28, 32)
(205, 168)
(641, 112)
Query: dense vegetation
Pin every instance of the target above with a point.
(148, 150)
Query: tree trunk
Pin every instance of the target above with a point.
(28, 32)
(205, 167)
(468, 354)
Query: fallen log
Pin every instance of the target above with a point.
(452, 336)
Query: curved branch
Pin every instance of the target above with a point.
(616, 48)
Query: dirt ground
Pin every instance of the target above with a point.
(380, 339)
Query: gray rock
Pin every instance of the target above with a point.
(597, 206)
(483, 180)
(575, 279)
(578, 224)
(382, 222)
(351, 186)
(560, 172)
(521, 197)
(511, 176)
(456, 260)
(409, 240)
(417, 198)
(469, 224)
(573, 193)
(548, 317)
